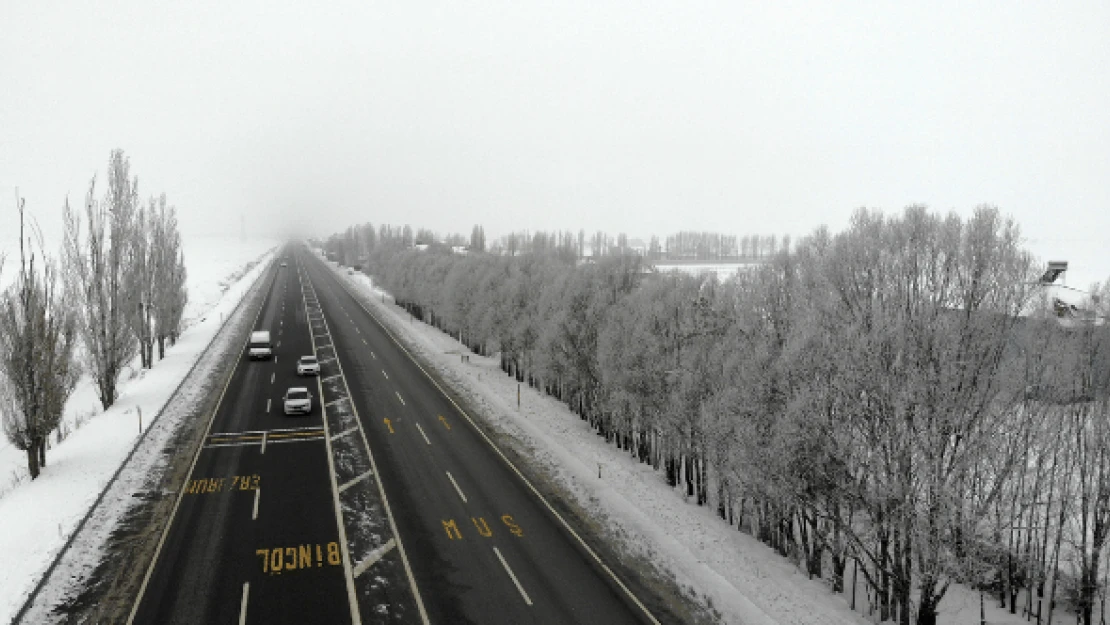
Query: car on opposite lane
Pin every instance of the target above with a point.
(308, 365)
(297, 400)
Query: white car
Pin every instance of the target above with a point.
(297, 400)
(308, 365)
(260, 346)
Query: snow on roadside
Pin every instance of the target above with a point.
(214, 265)
(743, 579)
(36, 517)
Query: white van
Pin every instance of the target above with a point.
(260, 346)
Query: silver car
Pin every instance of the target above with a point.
(297, 400)
(308, 365)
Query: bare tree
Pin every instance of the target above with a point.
(37, 338)
(169, 294)
(139, 278)
(94, 270)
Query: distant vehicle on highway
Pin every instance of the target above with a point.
(260, 346)
(283, 263)
(297, 400)
(308, 365)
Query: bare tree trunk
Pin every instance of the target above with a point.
(33, 461)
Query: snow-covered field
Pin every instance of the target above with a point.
(729, 570)
(36, 517)
(724, 271)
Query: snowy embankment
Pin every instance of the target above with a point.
(37, 517)
(735, 574)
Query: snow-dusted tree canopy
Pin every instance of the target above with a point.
(881, 397)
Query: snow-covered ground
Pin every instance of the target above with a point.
(36, 517)
(724, 271)
(729, 570)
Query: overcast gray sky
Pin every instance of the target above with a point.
(641, 117)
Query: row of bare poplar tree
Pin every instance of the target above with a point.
(115, 290)
(895, 402)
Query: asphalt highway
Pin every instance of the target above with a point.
(384, 505)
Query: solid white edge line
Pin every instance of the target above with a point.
(243, 603)
(257, 494)
(423, 434)
(562, 521)
(356, 618)
(456, 485)
(374, 556)
(188, 477)
(512, 576)
(385, 502)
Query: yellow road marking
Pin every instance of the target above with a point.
(296, 434)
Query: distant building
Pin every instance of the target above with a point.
(1070, 305)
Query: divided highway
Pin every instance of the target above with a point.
(384, 505)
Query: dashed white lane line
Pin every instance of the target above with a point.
(267, 406)
(264, 435)
(257, 494)
(364, 342)
(275, 357)
(423, 434)
(243, 603)
(385, 374)
(374, 356)
(456, 485)
(272, 378)
(400, 398)
(513, 576)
